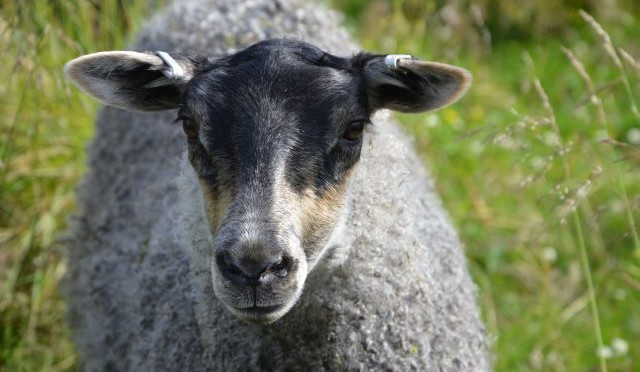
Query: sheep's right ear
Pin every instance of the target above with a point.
(132, 80)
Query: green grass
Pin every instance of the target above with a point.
(45, 124)
(538, 166)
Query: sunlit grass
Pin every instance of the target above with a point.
(538, 166)
(44, 127)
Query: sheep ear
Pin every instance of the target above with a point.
(402, 83)
(132, 80)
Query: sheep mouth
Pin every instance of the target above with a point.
(260, 314)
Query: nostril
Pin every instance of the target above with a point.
(281, 268)
(248, 270)
(227, 268)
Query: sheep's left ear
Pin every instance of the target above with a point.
(402, 83)
(132, 80)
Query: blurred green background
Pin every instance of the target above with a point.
(539, 164)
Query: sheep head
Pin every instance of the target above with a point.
(273, 133)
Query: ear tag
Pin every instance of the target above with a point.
(391, 60)
(176, 72)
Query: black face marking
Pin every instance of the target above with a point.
(279, 102)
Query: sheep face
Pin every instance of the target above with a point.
(275, 145)
(273, 133)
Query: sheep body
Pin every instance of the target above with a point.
(394, 292)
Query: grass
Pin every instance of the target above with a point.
(44, 127)
(538, 166)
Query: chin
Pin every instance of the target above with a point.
(262, 314)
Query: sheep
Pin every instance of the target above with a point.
(284, 226)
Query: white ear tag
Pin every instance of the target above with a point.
(391, 60)
(176, 72)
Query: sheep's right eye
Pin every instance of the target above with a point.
(189, 126)
(354, 130)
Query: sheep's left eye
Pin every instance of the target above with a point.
(354, 130)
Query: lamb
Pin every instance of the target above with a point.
(284, 226)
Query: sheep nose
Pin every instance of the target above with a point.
(252, 271)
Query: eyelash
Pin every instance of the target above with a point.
(182, 117)
(188, 125)
(354, 134)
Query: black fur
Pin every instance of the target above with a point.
(280, 98)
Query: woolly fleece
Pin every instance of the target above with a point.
(394, 295)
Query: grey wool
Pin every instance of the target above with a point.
(394, 294)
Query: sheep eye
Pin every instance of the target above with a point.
(189, 126)
(354, 130)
